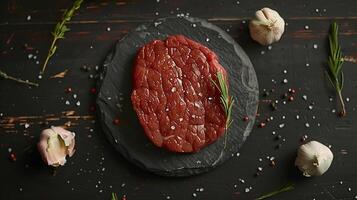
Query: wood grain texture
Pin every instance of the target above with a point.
(96, 169)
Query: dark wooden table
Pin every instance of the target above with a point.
(96, 169)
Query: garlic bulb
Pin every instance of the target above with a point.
(55, 144)
(267, 26)
(313, 158)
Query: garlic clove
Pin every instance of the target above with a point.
(267, 26)
(313, 158)
(55, 144)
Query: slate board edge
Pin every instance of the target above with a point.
(123, 151)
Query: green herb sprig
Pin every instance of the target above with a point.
(226, 100)
(114, 196)
(335, 61)
(60, 30)
(6, 76)
(281, 190)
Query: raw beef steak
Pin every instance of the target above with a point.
(173, 95)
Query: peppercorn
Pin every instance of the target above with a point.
(116, 121)
(69, 90)
(246, 118)
(291, 98)
(12, 157)
(93, 90)
(262, 125)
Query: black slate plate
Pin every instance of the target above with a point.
(115, 86)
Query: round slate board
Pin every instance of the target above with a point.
(115, 87)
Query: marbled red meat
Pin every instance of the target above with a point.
(173, 95)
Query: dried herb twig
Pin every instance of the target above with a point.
(281, 190)
(6, 76)
(226, 100)
(335, 61)
(60, 30)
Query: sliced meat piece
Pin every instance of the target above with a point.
(173, 95)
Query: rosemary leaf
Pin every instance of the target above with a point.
(335, 61)
(6, 76)
(276, 192)
(114, 196)
(226, 100)
(60, 30)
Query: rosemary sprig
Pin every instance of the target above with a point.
(60, 30)
(335, 61)
(226, 100)
(281, 190)
(114, 196)
(6, 76)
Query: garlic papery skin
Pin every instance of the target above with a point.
(313, 158)
(55, 144)
(267, 26)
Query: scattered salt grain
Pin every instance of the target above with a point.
(26, 125)
(304, 97)
(173, 127)
(307, 125)
(30, 56)
(108, 29)
(315, 46)
(306, 27)
(307, 64)
(297, 117)
(285, 71)
(262, 52)
(285, 80)
(270, 47)
(207, 39)
(156, 13)
(67, 102)
(78, 103)
(28, 17)
(281, 125)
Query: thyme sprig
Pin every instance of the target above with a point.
(281, 190)
(6, 76)
(335, 61)
(226, 100)
(60, 30)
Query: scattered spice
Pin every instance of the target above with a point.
(246, 118)
(116, 121)
(12, 157)
(60, 75)
(69, 90)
